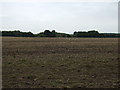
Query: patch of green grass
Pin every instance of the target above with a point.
(30, 76)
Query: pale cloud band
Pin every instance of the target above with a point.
(33, 1)
(27, 15)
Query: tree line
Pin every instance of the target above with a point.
(53, 33)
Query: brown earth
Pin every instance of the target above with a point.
(60, 62)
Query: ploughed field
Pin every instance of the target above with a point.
(59, 62)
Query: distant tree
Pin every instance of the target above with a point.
(53, 33)
(75, 34)
(93, 33)
(27, 34)
(47, 33)
(0, 33)
(68, 35)
(82, 34)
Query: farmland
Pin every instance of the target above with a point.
(59, 62)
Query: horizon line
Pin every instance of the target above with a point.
(63, 32)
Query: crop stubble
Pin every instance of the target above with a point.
(60, 62)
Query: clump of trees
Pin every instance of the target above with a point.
(53, 33)
(86, 34)
(17, 34)
(94, 33)
(47, 33)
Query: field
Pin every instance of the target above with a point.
(60, 62)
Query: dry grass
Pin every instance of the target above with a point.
(60, 62)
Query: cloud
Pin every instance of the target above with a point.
(64, 16)
(38, 1)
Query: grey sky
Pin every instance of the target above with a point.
(36, 16)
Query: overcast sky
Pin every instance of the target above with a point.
(60, 15)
